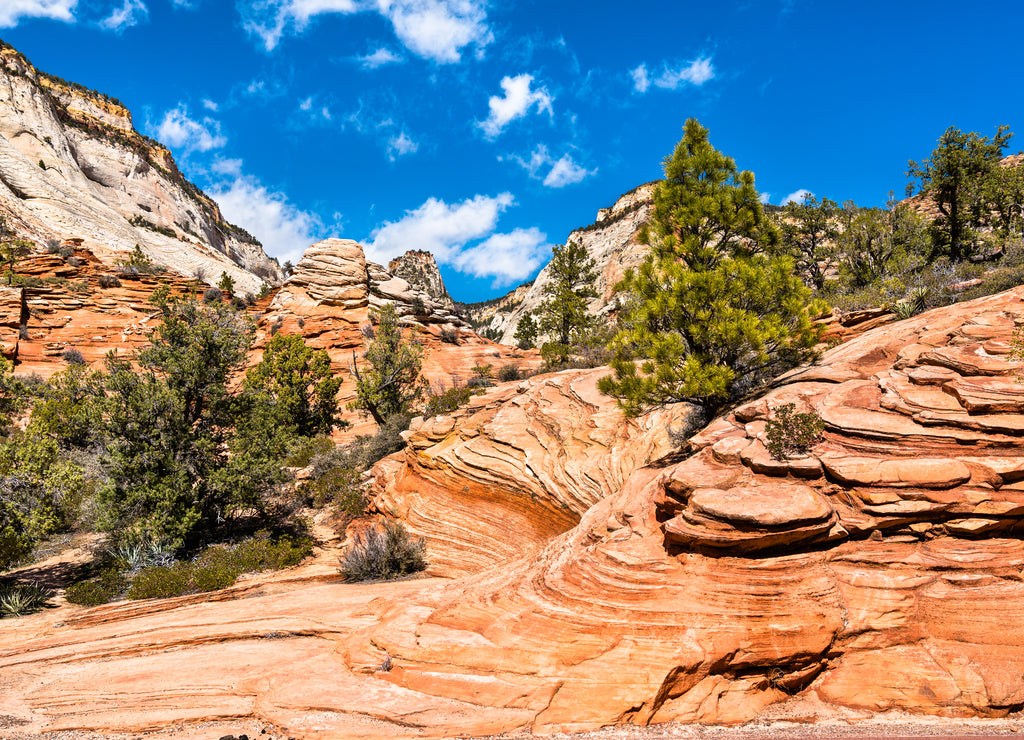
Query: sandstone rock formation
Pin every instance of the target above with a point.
(531, 458)
(419, 269)
(73, 165)
(329, 297)
(881, 571)
(878, 572)
(612, 243)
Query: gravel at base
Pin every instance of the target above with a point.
(881, 727)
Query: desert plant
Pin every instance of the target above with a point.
(21, 599)
(72, 356)
(449, 336)
(447, 400)
(212, 295)
(508, 373)
(792, 433)
(382, 553)
(108, 281)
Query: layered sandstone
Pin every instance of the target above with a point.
(879, 571)
(73, 165)
(529, 458)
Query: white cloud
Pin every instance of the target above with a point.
(128, 15)
(399, 146)
(517, 102)
(379, 58)
(506, 257)
(696, 73)
(186, 4)
(566, 172)
(765, 198)
(232, 167)
(797, 197)
(562, 172)
(449, 231)
(640, 79)
(178, 130)
(285, 230)
(210, 105)
(306, 104)
(438, 30)
(12, 11)
(438, 227)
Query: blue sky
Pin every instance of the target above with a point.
(486, 131)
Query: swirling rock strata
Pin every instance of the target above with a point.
(519, 465)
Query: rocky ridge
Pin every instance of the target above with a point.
(73, 165)
(419, 269)
(612, 243)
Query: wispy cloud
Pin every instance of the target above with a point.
(640, 79)
(179, 130)
(284, 229)
(796, 197)
(439, 30)
(463, 236)
(696, 73)
(399, 146)
(517, 101)
(130, 14)
(379, 58)
(554, 173)
(12, 11)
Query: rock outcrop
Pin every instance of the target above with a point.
(529, 458)
(880, 571)
(611, 241)
(73, 165)
(329, 299)
(419, 269)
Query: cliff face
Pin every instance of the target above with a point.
(419, 269)
(612, 243)
(73, 165)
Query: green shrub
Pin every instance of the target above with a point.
(448, 401)
(341, 485)
(790, 433)
(508, 373)
(110, 585)
(449, 336)
(383, 553)
(218, 567)
(307, 449)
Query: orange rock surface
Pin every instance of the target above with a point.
(881, 571)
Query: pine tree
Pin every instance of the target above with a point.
(715, 300)
(526, 331)
(957, 177)
(391, 382)
(809, 230)
(300, 382)
(563, 314)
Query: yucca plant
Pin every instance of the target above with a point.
(21, 599)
